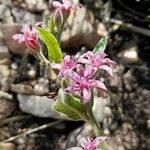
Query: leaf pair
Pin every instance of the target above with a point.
(70, 106)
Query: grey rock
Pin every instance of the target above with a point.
(80, 30)
(39, 106)
(23, 17)
(4, 11)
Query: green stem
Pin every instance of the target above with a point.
(43, 59)
(97, 128)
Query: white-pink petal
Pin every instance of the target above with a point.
(99, 85)
(75, 148)
(19, 37)
(56, 66)
(57, 4)
(107, 69)
(86, 95)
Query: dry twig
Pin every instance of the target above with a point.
(31, 131)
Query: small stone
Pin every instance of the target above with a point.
(4, 52)
(4, 71)
(5, 61)
(31, 73)
(14, 66)
(42, 88)
(7, 146)
(21, 88)
(6, 108)
(130, 53)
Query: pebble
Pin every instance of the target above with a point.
(21, 88)
(7, 146)
(6, 108)
(14, 66)
(130, 53)
(32, 73)
(5, 61)
(42, 88)
(4, 52)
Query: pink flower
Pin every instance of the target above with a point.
(89, 143)
(97, 61)
(65, 6)
(29, 36)
(66, 67)
(83, 82)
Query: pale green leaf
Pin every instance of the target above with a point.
(101, 45)
(54, 50)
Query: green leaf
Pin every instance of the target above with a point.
(60, 107)
(71, 101)
(101, 45)
(54, 51)
(51, 24)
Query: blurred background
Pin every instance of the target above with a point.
(25, 85)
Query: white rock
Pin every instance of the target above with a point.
(39, 106)
(100, 109)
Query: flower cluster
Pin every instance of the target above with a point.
(81, 73)
(89, 143)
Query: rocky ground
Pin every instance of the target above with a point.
(25, 85)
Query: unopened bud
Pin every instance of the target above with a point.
(58, 17)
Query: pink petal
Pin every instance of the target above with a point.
(26, 28)
(19, 37)
(56, 66)
(86, 95)
(72, 89)
(57, 4)
(74, 76)
(83, 60)
(75, 148)
(99, 84)
(107, 69)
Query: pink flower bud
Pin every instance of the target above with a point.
(58, 17)
(66, 6)
(29, 36)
